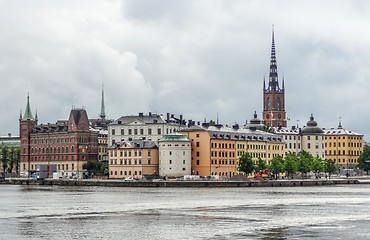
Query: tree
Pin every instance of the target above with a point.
(246, 164)
(290, 164)
(305, 160)
(4, 157)
(261, 164)
(317, 165)
(13, 159)
(96, 168)
(329, 166)
(277, 165)
(212, 123)
(267, 128)
(364, 159)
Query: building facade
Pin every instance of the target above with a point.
(174, 155)
(274, 113)
(143, 127)
(134, 159)
(217, 149)
(68, 144)
(344, 147)
(310, 138)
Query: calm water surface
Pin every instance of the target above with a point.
(56, 212)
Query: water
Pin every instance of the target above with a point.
(57, 212)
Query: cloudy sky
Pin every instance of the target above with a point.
(196, 58)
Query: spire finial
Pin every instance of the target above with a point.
(20, 114)
(340, 123)
(36, 118)
(102, 109)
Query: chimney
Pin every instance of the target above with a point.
(180, 118)
(172, 115)
(141, 114)
(9, 134)
(198, 123)
(150, 114)
(168, 118)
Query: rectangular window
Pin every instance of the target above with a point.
(149, 131)
(141, 131)
(113, 131)
(129, 132)
(135, 131)
(197, 154)
(197, 144)
(159, 131)
(122, 131)
(197, 162)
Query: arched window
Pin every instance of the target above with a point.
(278, 104)
(268, 104)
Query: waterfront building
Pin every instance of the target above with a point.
(274, 113)
(10, 141)
(143, 127)
(174, 155)
(135, 159)
(343, 146)
(216, 149)
(67, 143)
(310, 138)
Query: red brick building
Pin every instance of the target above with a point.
(68, 144)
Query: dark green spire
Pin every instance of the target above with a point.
(36, 118)
(20, 114)
(28, 113)
(102, 111)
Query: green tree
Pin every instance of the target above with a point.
(13, 159)
(277, 165)
(364, 159)
(267, 128)
(329, 167)
(305, 160)
(96, 168)
(212, 123)
(246, 164)
(4, 157)
(290, 164)
(317, 165)
(261, 164)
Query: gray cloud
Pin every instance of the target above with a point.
(196, 58)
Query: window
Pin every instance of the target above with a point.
(170, 161)
(113, 131)
(183, 161)
(308, 137)
(129, 132)
(197, 162)
(308, 145)
(197, 154)
(149, 131)
(122, 131)
(141, 131)
(159, 131)
(135, 131)
(197, 144)
(197, 135)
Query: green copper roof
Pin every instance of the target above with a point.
(174, 137)
(28, 113)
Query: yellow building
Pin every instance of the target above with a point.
(103, 146)
(133, 159)
(216, 149)
(343, 147)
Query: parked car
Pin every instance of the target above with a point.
(129, 179)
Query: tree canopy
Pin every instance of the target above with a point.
(246, 164)
(364, 159)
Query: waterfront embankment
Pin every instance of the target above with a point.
(196, 184)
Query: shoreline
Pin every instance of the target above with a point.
(187, 184)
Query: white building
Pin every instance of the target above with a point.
(174, 155)
(143, 127)
(310, 138)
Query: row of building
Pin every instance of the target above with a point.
(152, 144)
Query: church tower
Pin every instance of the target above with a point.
(26, 124)
(274, 113)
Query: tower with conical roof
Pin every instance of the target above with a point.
(273, 96)
(26, 124)
(102, 107)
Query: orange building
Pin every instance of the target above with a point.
(215, 149)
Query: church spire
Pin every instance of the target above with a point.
(27, 112)
(273, 75)
(102, 110)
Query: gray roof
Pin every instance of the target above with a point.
(136, 144)
(153, 118)
(312, 127)
(340, 131)
(236, 134)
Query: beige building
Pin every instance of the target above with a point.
(133, 159)
(174, 155)
(310, 138)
